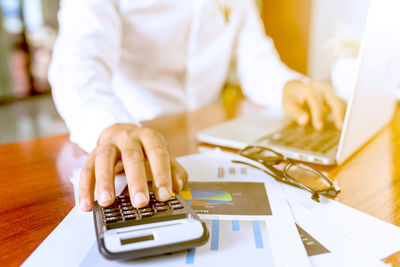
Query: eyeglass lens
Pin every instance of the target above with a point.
(296, 173)
(308, 177)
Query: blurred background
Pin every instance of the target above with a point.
(319, 38)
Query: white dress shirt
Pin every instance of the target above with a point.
(124, 61)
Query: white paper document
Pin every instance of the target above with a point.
(375, 236)
(258, 231)
(70, 242)
(229, 233)
(368, 236)
(252, 219)
(326, 246)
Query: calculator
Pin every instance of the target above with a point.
(125, 232)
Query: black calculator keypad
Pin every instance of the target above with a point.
(122, 210)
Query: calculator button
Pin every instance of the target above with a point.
(111, 219)
(129, 217)
(107, 210)
(146, 214)
(145, 209)
(127, 208)
(174, 202)
(176, 206)
(111, 214)
(160, 208)
(125, 212)
(159, 204)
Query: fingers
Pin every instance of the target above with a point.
(106, 158)
(158, 157)
(306, 102)
(179, 175)
(127, 147)
(296, 111)
(316, 105)
(134, 163)
(337, 107)
(86, 184)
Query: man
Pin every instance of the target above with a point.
(117, 62)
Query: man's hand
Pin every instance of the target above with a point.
(135, 147)
(306, 102)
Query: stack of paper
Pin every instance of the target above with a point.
(333, 234)
(252, 219)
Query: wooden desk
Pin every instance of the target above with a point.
(35, 192)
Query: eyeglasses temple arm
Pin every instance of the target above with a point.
(286, 180)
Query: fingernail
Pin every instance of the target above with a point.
(105, 197)
(180, 183)
(139, 198)
(163, 193)
(303, 119)
(84, 204)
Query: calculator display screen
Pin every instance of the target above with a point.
(136, 239)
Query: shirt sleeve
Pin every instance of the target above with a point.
(261, 73)
(85, 56)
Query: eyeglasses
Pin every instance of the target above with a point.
(290, 171)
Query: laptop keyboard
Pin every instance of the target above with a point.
(305, 138)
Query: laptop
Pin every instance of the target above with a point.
(369, 109)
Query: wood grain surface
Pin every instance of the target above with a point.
(36, 194)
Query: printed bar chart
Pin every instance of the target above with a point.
(236, 225)
(231, 171)
(215, 235)
(224, 233)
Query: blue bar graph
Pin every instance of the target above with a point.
(215, 235)
(190, 256)
(235, 225)
(257, 234)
